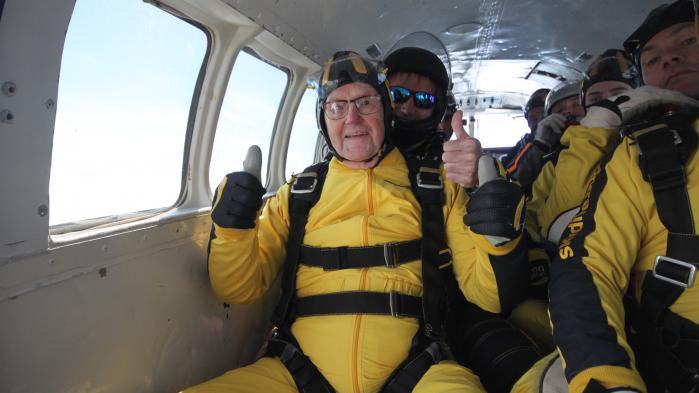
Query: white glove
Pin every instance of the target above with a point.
(253, 162)
(611, 113)
(549, 130)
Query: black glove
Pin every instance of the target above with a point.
(239, 202)
(496, 210)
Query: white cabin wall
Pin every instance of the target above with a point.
(31, 43)
(127, 307)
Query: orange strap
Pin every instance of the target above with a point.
(512, 168)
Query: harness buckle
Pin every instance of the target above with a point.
(687, 271)
(393, 303)
(390, 255)
(305, 183)
(289, 352)
(676, 138)
(429, 178)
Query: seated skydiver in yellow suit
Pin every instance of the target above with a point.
(369, 280)
(562, 109)
(635, 235)
(581, 148)
(583, 145)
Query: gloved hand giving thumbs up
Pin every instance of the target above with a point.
(496, 209)
(239, 196)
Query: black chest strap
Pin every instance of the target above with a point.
(387, 255)
(668, 343)
(360, 302)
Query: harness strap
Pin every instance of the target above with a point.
(301, 201)
(663, 153)
(438, 282)
(358, 302)
(667, 342)
(389, 255)
(411, 371)
(306, 375)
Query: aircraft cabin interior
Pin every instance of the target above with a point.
(118, 119)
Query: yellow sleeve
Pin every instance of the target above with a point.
(591, 274)
(585, 148)
(243, 263)
(494, 278)
(540, 192)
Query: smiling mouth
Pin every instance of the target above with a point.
(356, 135)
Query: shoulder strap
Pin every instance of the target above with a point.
(664, 148)
(665, 145)
(304, 194)
(428, 188)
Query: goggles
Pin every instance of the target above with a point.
(423, 99)
(336, 110)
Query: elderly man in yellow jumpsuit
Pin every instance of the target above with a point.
(635, 235)
(358, 313)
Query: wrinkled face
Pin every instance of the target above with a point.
(603, 90)
(569, 107)
(356, 137)
(670, 60)
(534, 116)
(407, 111)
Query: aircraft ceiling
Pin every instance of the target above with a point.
(494, 45)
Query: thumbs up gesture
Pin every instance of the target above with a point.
(239, 196)
(461, 155)
(496, 209)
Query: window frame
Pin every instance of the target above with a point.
(250, 49)
(320, 140)
(66, 232)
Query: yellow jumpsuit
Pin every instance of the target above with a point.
(612, 241)
(584, 148)
(355, 353)
(540, 193)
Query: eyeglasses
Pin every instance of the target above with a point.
(423, 99)
(336, 110)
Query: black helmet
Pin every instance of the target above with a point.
(658, 20)
(422, 62)
(346, 67)
(538, 98)
(612, 65)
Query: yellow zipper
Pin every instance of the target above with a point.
(362, 284)
(355, 347)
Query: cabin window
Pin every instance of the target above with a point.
(248, 115)
(304, 135)
(495, 129)
(128, 75)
